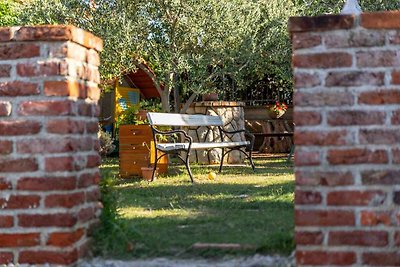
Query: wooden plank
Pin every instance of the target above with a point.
(174, 119)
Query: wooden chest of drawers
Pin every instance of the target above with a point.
(133, 154)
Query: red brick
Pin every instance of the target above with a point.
(334, 99)
(84, 144)
(47, 220)
(16, 51)
(5, 184)
(305, 40)
(6, 147)
(46, 108)
(381, 258)
(89, 179)
(96, 145)
(93, 57)
(47, 183)
(380, 20)
(357, 38)
(20, 202)
(322, 60)
(64, 88)
(93, 195)
(307, 197)
(57, 164)
(356, 117)
(380, 97)
(381, 177)
(18, 165)
(396, 198)
(65, 126)
(307, 118)
(6, 221)
(65, 200)
(77, 52)
(396, 156)
(92, 127)
(321, 23)
(324, 218)
(323, 138)
(374, 218)
(307, 158)
(6, 257)
(86, 214)
(358, 238)
(379, 136)
(309, 238)
(43, 33)
(325, 258)
(48, 257)
(5, 108)
(18, 88)
(5, 71)
(19, 240)
(20, 127)
(65, 239)
(93, 93)
(357, 156)
(327, 178)
(396, 117)
(306, 80)
(42, 68)
(397, 239)
(377, 59)
(5, 34)
(356, 198)
(354, 78)
(93, 161)
(396, 77)
(50, 145)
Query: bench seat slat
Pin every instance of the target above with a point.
(174, 119)
(175, 146)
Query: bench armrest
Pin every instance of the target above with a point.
(250, 136)
(155, 131)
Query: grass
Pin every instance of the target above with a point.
(166, 217)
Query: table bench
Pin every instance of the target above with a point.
(284, 134)
(186, 143)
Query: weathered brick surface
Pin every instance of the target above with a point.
(48, 144)
(347, 139)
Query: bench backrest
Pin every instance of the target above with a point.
(175, 119)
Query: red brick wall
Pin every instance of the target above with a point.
(347, 115)
(48, 143)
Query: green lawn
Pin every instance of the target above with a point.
(166, 217)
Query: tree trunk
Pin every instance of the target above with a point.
(165, 101)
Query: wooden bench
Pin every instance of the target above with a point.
(186, 143)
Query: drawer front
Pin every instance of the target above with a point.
(135, 146)
(138, 140)
(134, 130)
(134, 158)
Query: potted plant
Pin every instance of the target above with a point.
(277, 110)
(147, 171)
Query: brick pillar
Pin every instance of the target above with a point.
(347, 115)
(48, 143)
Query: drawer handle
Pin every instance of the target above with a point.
(133, 147)
(134, 132)
(134, 162)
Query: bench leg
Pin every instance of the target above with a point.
(222, 160)
(155, 166)
(251, 161)
(188, 167)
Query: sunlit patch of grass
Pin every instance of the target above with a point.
(240, 206)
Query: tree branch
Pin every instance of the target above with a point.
(189, 102)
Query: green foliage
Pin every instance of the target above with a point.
(151, 105)
(8, 13)
(129, 116)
